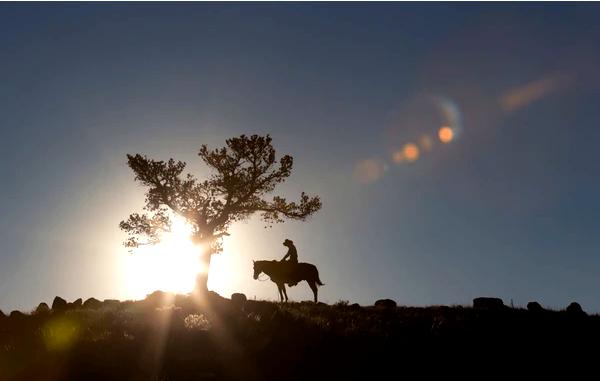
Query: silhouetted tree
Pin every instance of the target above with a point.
(243, 173)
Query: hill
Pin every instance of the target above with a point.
(173, 337)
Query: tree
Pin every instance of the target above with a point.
(243, 173)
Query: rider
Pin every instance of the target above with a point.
(292, 252)
(293, 255)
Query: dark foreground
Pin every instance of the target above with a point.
(166, 338)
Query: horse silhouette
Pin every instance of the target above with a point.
(290, 273)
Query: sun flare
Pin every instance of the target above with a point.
(171, 265)
(446, 134)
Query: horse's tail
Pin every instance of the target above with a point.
(318, 280)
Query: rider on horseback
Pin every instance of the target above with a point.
(292, 252)
(293, 255)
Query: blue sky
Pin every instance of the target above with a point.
(508, 208)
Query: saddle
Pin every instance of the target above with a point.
(291, 272)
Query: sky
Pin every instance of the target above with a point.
(454, 146)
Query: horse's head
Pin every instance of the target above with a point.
(257, 269)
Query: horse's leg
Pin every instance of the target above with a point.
(280, 294)
(284, 292)
(313, 287)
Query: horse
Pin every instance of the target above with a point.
(290, 273)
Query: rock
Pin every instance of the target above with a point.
(444, 310)
(2, 314)
(534, 307)
(238, 300)
(16, 315)
(182, 300)
(575, 309)
(42, 308)
(385, 303)
(213, 297)
(355, 306)
(77, 303)
(111, 303)
(92, 303)
(158, 295)
(59, 303)
(486, 303)
(160, 298)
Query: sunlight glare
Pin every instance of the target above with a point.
(171, 265)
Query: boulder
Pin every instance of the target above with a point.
(355, 306)
(42, 308)
(160, 298)
(16, 315)
(385, 303)
(182, 300)
(238, 300)
(486, 303)
(92, 303)
(76, 304)
(575, 309)
(59, 303)
(111, 303)
(534, 307)
(158, 295)
(213, 297)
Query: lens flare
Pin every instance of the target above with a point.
(368, 171)
(451, 116)
(60, 333)
(398, 156)
(446, 134)
(425, 143)
(411, 152)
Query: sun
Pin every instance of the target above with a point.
(171, 265)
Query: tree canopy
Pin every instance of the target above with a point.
(242, 175)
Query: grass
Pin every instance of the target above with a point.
(176, 338)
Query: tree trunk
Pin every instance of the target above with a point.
(202, 278)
